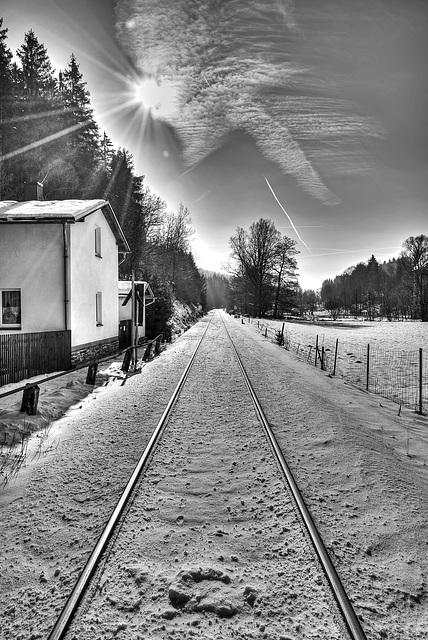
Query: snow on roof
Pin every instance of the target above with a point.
(6, 203)
(61, 211)
(49, 209)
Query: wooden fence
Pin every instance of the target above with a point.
(25, 355)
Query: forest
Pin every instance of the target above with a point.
(395, 290)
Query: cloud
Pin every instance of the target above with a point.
(232, 67)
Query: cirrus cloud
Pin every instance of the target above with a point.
(231, 65)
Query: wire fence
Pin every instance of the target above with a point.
(401, 376)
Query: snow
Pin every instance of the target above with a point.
(360, 463)
(394, 353)
(404, 336)
(49, 208)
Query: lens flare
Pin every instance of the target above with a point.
(156, 97)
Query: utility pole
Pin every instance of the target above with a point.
(134, 332)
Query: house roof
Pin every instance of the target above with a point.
(48, 211)
(124, 287)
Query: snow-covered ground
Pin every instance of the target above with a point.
(394, 353)
(360, 462)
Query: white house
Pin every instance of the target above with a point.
(59, 272)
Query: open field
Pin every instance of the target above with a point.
(397, 368)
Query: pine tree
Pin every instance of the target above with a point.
(125, 194)
(81, 144)
(6, 106)
(33, 146)
(106, 151)
(36, 73)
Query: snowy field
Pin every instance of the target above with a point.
(394, 353)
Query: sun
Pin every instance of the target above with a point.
(147, 92)
(156, 97)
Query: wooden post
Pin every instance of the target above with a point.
(148, 351)
(282, 334)
(30, 398)
(158, 345)
(322, 358)
(92, 373)
(335, 356)
(134, 320)
(368, 367)
(420, 381)
(316, 351)
(266, 332)
(126, 360)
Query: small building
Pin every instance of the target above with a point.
(58, 274)
(143, 298)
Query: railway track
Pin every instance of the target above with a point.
(208, 540)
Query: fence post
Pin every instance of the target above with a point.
(30, 399)
(266, 332)
(322, 358)
(368, 367)
(92, 373)
(158, 344)
(335, 356)
(126, 360)
(420, 381)
(282, 333)
(316, 351)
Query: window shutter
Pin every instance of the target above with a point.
(98, 241)
(99, 308)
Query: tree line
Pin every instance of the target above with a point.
(262, 281)
(48, 134)
(262, 273)
(396, 290)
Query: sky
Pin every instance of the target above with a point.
(311, 113)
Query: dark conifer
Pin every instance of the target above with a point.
(6, 107)
(81, 146)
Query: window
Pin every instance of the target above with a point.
(10, 309)
(98, 241)
(99, 309)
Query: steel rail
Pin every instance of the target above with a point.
(349, 616)
(65, 618)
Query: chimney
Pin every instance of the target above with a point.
(33, 191)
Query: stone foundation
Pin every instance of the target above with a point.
(94, 351)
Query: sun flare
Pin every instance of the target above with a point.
(158, 98)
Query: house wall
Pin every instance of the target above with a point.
(31, 259)
(90, 274)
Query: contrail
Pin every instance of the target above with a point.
(291, 222)
(206, 80)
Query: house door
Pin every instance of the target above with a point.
(125, 334)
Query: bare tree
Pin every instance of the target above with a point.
(415, 261)
(173, 239)
(260, 253)
(285, 269)
(177, 230)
